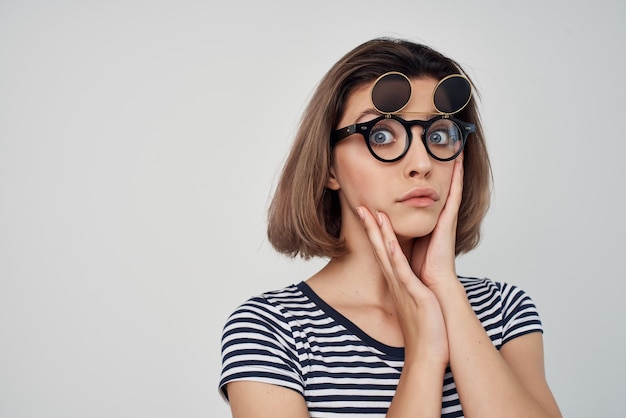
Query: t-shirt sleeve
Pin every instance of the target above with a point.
(258, 345)
(519, 313)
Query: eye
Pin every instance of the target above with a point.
(381, 136)
(385, 133)
(443, 135)
(438, 138)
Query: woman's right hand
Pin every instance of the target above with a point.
(418, 310)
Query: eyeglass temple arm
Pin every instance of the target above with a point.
(342, 133)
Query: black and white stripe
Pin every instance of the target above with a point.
(292, 338)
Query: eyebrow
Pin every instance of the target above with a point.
(368, 112)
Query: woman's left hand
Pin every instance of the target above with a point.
(433, 256)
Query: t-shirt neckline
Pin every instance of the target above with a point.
(397, 352)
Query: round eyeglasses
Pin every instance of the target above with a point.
(388, 137)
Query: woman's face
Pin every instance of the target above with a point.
(411, 191)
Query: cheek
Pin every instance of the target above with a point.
(445, 180)
(359, 175)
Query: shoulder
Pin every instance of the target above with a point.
(508, 293)
(513, 308)
(273, 309)
(481, 292)
(260, 340)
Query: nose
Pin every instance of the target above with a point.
(417, 160)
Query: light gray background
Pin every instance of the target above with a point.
(140, 142)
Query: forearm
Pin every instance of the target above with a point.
(419, 391)
(485, 383)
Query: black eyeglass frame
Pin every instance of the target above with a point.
(365, 128)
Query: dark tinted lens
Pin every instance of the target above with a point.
(444, 138)
(391, 93)
(452, 94)
(388, 139)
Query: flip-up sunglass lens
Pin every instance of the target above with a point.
(391, 92)
(452, 94)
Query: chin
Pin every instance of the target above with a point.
(415, 223)
(411, 230)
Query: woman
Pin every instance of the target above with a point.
(389, 178)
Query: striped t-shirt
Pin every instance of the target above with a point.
(292, 338)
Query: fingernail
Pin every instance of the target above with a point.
(379, 217)
(392, 247)
(359, 211)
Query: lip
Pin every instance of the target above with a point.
(420, 197)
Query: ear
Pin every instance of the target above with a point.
(332, 183)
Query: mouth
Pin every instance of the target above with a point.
(420, 197)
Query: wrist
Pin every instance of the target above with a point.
(433, 357)
(448, 288)
(427, 365)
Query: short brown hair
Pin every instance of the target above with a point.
(304, 216)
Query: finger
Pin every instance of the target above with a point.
(405, 277)
(456, 186)
(402, 271)
(449, 214)
(372, 227)
(441, 242)
(382, 236)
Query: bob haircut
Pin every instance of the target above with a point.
(304, 216)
